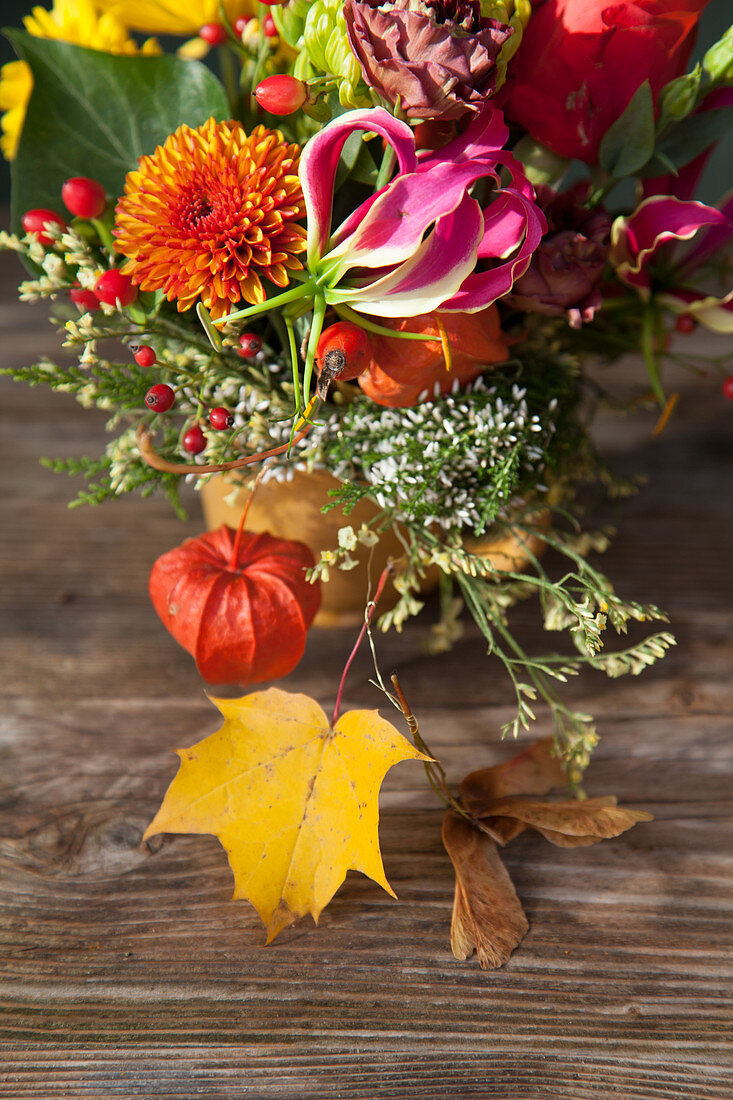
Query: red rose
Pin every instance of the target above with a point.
(581, 61)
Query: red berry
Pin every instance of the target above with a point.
(143, 355)
(34, 221)
(685, 324)
(160, 398)
(213, 33)
(274, 3)
(85, 198)
(249, 345)
(86, 300)
(241, 23)
(115, 289)
(281, 94)
(221, 419)
(268, 26)
(727, 387)
(194, 440)
(345, 349)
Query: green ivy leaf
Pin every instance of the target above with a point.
(94, 114)
(629, 143)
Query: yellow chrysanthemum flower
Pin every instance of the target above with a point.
(183, 17)
(76, 21)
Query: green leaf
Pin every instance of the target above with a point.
(628, 144)
(541, 165)
(94, 114)
(718, 61)
(688, 138)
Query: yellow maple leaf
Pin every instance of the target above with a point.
(293, 801)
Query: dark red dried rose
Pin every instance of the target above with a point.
(436, 58)
(566, 270)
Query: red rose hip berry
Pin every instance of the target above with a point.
(160, 398)
(685, 324)
(83, 197)
(143, 355)
(344, 348)
(241, 23)
(194, 440)
(221, 419)
(35, 221)
(113, 288)
(213, 33)
(85, 300)
(250, 345)
(269, 27)
(727, 387)
(281, 94)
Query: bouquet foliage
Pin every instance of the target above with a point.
(375, 244)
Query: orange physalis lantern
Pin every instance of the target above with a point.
(238, 602)
(401, 370)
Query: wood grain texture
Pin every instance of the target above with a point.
(127, 972)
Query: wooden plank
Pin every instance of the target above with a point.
(126, 971)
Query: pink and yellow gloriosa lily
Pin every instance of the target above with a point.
(421, 243)
(423, 235)
(658, 224)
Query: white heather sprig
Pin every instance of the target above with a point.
(452, 462)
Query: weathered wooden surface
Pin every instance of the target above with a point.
(129, 973)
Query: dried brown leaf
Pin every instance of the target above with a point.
(487, 914)
(501, 829)
(535, 770)
(595, 817)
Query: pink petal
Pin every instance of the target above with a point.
(319, 161)
(636, 239)
(714, 313)
(505, 223)
(433, 272)
(710, 240)
(482, 288)
(393, 227)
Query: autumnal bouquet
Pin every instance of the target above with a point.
(375, 243)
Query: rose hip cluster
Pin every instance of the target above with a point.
(86, 199)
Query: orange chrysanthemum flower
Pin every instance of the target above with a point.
(211, 213)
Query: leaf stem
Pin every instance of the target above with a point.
(367, 619)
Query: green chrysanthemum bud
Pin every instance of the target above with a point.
(517, 14)
(327, 45)
(318, 31)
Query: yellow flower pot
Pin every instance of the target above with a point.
(292, 510)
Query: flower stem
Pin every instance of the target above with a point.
(234, 556)
(304, 290)
(648, 335)
(149, 454)
(319, 312)
(367, 619)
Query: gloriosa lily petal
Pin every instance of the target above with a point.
(320, 158)
(419, 268)
(714, 313)
(434, 271)
(636, 240)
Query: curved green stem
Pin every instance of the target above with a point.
(648, 339)
(381, 330)
(304, 290)
(319, 312)
(294, 362)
